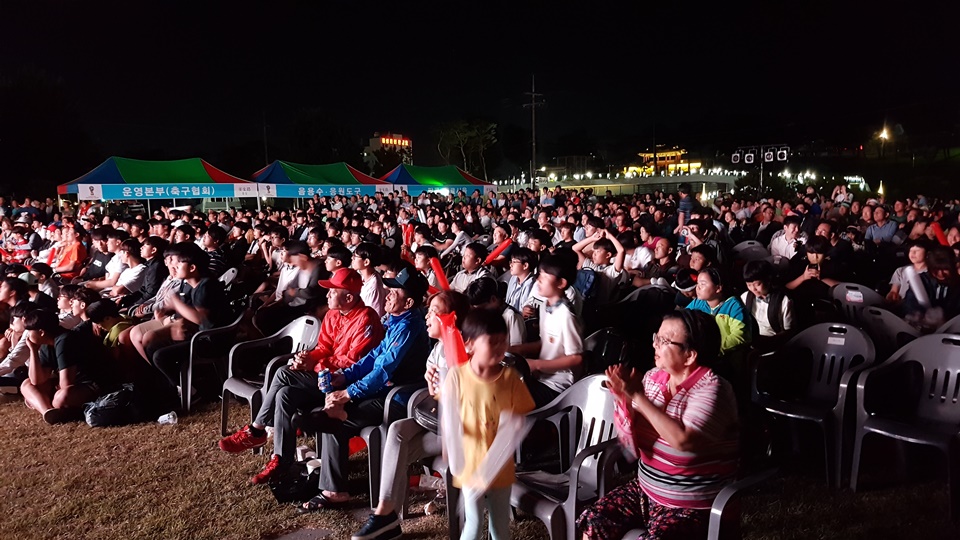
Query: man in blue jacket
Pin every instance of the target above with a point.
(360, 389)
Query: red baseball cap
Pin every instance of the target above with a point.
(344, 278)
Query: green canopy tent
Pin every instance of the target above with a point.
(416, 179)
(133, 179)
(297, 180)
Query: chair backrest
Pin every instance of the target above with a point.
(606, 347)
(747, 244)
(851, 299)
(304, 332)
(750, 250)
(834, 348)
(888, 331)
(950, 327)
(591, 406)
(228, 276)
(938, 355)
(635, 294)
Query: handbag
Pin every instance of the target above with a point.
(425, 414)
(295, 485)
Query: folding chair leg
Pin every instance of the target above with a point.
(855, 463)
(953, 483)
(256, 400)
(224, 412)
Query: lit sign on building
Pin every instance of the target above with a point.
(394, 142)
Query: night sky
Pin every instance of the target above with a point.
(192, 78)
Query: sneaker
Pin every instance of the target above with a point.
(380, 528)
(271, 469)
(241, 441)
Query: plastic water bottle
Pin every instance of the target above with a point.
(168, 419)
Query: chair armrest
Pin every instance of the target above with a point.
(761, 359)
(588, 452)
(867, 374)
(415, 399)
(246, 346)
(393, 393)
(213, 332)
(272, 367)
(728, 493)
(605, 464)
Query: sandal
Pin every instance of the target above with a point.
(320, 502)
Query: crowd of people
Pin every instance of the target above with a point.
(91, 300)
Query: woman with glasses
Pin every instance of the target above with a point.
(680, 420)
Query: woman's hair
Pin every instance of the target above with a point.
(701, 334)
(453, 302)
(484, 322)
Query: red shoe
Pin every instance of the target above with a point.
(271, 469)
(241, 441)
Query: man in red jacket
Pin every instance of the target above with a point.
(349, 330)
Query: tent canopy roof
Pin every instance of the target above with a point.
(337, 174)
(437, 177)
(118, 171)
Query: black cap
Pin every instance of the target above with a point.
(409, 280)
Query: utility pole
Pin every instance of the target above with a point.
(535, 101)
(266, 158)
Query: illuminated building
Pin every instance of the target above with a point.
(668, 161)
(392, 141)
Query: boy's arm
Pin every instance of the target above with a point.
(581, 245)
(621, 253)
(526, 350)
(36, 373)
(188, 312)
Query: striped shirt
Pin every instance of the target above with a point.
(704, 403)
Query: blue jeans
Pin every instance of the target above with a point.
(497, 504)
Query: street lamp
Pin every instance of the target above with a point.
(884, 135)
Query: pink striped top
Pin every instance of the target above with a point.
(706, 404)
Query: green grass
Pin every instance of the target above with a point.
(171, 482)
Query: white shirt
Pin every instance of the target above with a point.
(516, 327)
(560, 335)
(288, 273)
(115, 266)
(373, 293)
(781, 247)
(609, 279)
(638, 259)
(899, 277)
(536, 300)
(759, 312)
(132, 278)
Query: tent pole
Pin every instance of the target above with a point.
(258, 204)
(149, 211)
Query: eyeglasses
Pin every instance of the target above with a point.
(659, 341)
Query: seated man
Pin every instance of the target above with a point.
(350, 329)
(62, 375)
(360, 389)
